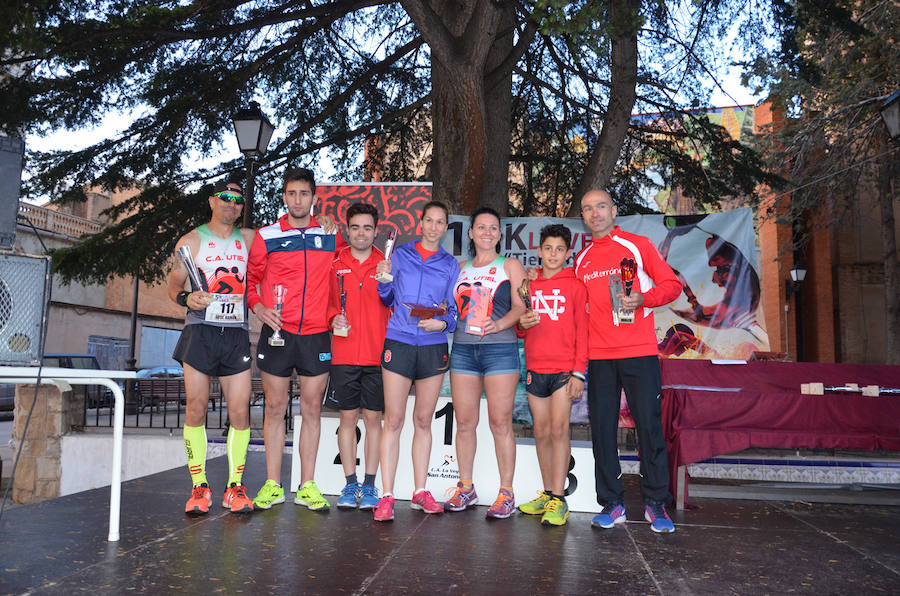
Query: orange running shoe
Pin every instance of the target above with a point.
(201, 499)
(236, 499)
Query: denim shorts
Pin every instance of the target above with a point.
(485, 359)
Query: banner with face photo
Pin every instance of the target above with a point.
(719, 312)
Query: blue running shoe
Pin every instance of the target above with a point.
(369, 498)
(609, 516)
(349, 496)
(655, 513)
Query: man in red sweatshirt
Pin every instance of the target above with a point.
(359, 321)
(624, 355)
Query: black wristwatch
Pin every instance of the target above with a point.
(182, 298)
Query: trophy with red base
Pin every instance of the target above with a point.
(342, 331)
(278, 291)
(388, 249)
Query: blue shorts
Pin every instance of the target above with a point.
(485, 360)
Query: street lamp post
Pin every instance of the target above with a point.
(253, 131)
(890, 113)
(791, 287)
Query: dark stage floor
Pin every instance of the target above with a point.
(720, 547)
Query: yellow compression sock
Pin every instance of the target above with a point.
(195, 446)
(238, 440)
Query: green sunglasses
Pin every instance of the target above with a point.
(230, 197)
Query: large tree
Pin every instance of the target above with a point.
(554, 82)
(835, 66)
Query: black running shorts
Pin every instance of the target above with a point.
(356, 387)
(310, 355)
(415, 362)
(545, 384)
(213, 350)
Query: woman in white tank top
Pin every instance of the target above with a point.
(485, 357)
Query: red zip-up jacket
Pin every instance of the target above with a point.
(559, 343)
(300, 260)
(654, 279)
(366, 314)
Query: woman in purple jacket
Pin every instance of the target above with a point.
(415, 350)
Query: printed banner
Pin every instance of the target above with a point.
(718, 314)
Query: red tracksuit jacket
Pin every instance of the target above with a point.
(655, 279)
(366, 314)
(559, 343)
(301, 261)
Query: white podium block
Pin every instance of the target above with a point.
(443, 468)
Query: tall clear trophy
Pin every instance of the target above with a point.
(342, 331)
(388, 249)
(278, 291)
(619, 286)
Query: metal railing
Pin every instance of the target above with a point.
(160, 403)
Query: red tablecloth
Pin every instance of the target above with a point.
(769, 410)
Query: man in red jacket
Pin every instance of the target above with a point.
(359, 321)
(624, 355)
(295, 253)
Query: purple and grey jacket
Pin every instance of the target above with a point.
(416, 282)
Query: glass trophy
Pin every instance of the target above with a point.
(278, 291)
(479, 310)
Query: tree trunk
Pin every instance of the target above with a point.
(498, 119)
(458, 124)
(460, 35)
(622, 93)
(886, 198)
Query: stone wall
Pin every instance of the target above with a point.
(55, 413)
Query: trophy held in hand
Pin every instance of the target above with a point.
(620, 285)
(278, 291)
(342, 331)
(525, 294)
(193, 274)
(388, 249)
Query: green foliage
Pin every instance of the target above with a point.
(832, 92)
(328, 73)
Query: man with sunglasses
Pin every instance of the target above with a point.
(215, 342)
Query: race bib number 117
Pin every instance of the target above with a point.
(226, 308)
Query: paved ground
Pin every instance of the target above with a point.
(720, 547)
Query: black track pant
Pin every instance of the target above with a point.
(640, 377)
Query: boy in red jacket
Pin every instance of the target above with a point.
(555, 329)
(359, 325)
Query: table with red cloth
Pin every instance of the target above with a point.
(713, 409)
